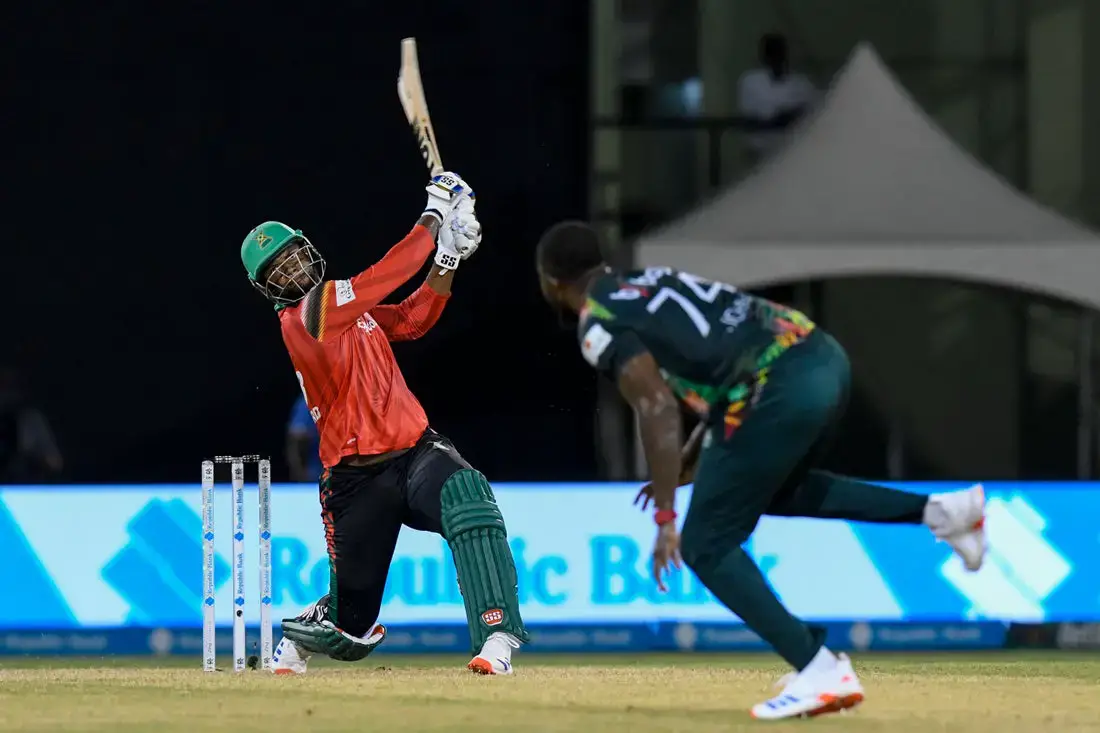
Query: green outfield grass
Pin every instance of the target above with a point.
(995, 692)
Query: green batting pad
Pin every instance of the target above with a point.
(475, 531)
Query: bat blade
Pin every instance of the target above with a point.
(410, 90)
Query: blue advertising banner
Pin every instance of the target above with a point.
(80, 559)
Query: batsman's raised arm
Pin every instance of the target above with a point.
(459, 237)
(336, 305)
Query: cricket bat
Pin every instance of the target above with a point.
(410, 90)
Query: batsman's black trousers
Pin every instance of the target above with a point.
(363, 508)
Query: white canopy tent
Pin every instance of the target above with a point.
(869, 185)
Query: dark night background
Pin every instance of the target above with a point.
(149, 141)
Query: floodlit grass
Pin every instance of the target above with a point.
(1002, 693)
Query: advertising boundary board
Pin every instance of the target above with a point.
(667, 637)
(91, 562)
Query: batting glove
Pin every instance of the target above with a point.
(459, 237)
(445, 191)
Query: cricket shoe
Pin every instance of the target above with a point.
(496, 655)
(289, 658)
(827, 685)
(958, 518)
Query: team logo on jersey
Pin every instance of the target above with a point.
(345, 293)
(366, 323)
(596, 341)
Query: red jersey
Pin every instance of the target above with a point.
(338, 338)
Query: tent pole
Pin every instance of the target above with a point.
(1086, 410)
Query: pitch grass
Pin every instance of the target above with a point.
(998, 693)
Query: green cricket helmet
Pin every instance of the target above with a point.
(284, 279)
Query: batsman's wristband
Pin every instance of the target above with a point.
(664, 516)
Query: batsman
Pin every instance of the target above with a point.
(770, 388)
(384, 466)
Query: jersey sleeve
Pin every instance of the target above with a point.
(608, 347)
(413, 317)
(335, 305)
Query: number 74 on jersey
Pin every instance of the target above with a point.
(702, 290)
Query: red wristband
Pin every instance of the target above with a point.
(664, 516)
